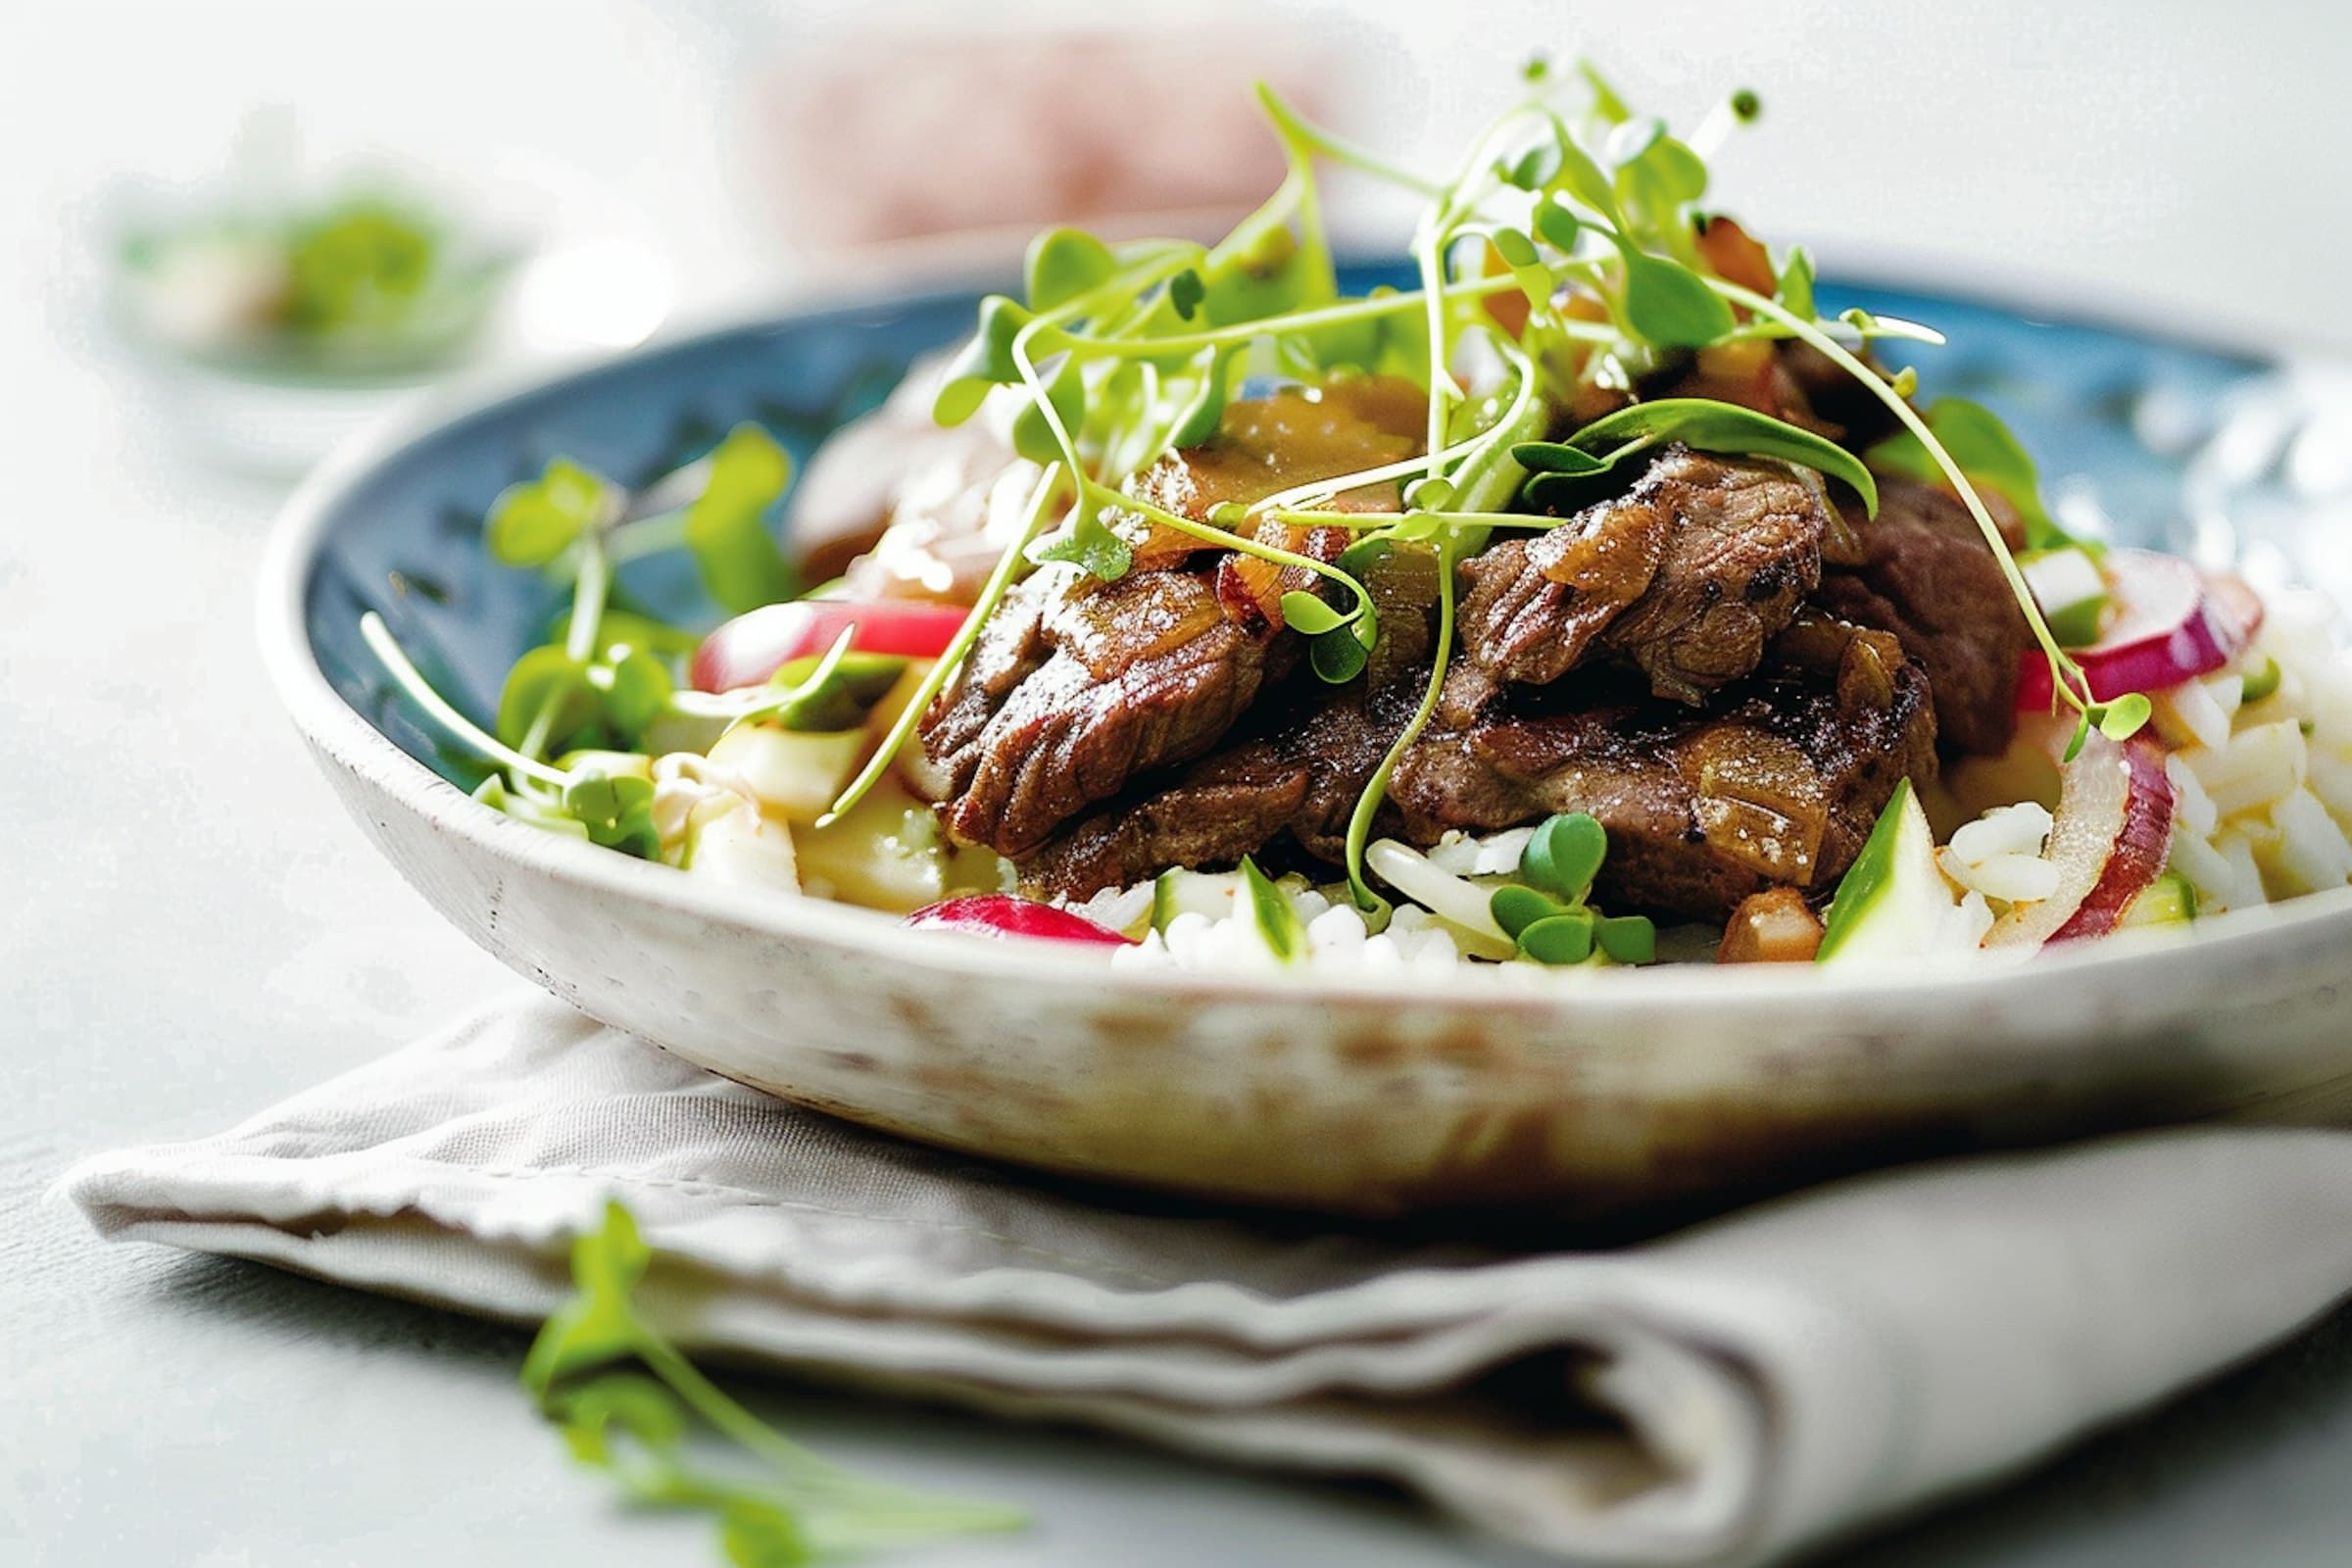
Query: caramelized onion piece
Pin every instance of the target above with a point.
(1759, 800)
(1249, 588)
(1774, 926)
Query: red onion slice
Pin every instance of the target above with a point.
(2177, 623)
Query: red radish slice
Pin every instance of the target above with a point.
(2177, 623)
(752, 647)
(1003, 916)
(2114, 827)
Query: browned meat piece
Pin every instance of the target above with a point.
(1305, 757)
(1686, 576)
(1928, 576)
(1301, 776)
(1075, 687)
(1777, 786)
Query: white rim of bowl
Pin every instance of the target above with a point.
(344, 735)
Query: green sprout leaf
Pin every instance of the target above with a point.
(1664, 175)
(1517, 907)
(2121, 718)
(1705, 425)
(755, 1535)
(1795, 286)
(629, 1401)
(549, 693)
(1092, 545)
(533, 522)
(1627, 938)
(1556, 457)
(1556, 225)
(637, 689)
(1538, 167)
(1582, 178)
(1670, 304)
(618, 809)
(1273, 276)
(726, 528)
(1307, 614)
(984, 362)
(1564, 856)
(1203, 407)
(1284, 932)
(1337, 656)
(1987, 453)
(1064, 263)
(1186, 291)
(1560, 939)
(1518, 253)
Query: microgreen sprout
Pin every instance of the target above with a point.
(1546, 909)
(625, 1399)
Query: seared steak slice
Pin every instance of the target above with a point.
(1779, 786)
(1928, 576)
(1301, 776)
(1298, 764)
(1076, 686)
(1686, 576)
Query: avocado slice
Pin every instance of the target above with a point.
(1893, 899)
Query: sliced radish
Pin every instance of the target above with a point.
(2173, 623)
(1002, 917)
(753, 646)
(2114, 825)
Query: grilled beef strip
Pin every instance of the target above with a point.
(1928, 576)
(1297, 765)
(1075, 686)
(1686, 576)
(1776, 785)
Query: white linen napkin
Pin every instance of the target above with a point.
(1728, 1394)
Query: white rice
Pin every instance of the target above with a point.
(2262, 790)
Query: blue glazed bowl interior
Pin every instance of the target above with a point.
(405, 541)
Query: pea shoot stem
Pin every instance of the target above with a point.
(1300, 132)
(441, 711)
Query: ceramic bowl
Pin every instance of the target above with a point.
(1569, 1094)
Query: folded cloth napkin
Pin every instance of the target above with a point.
(1730, 1394)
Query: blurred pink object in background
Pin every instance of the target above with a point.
(887, 138)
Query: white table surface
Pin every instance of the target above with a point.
(188, 929)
